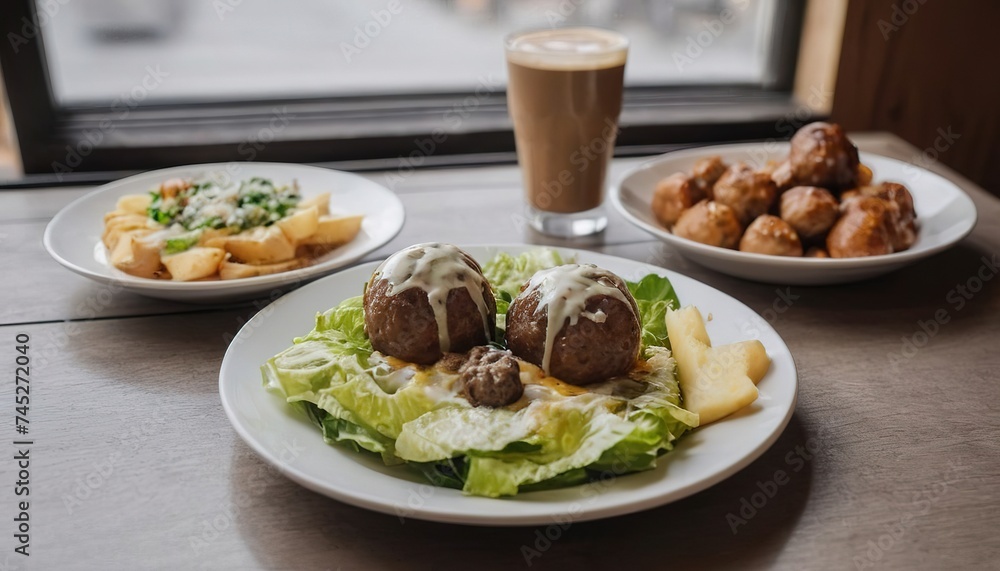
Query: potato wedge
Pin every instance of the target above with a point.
(262, 245)
(134, 203)
(137, 256)
(194, 263)
(715, 381)
(300, 225)
(229, 270)
(118, 225)
(320, 201)
(334, 231)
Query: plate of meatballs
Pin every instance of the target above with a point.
(442, 364)
(812, 211)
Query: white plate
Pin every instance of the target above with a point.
(73, 237)
(945, 215)
(295, 446)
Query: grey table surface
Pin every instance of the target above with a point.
(892, 455)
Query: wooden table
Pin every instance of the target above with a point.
(892, 457)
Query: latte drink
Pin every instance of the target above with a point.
(564, 94)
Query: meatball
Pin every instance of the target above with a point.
(579, 323)
(771, 235)
(902, 216)
(748, 192)
(426, 300)
(862, 230)
(810, 210)
(491, 377)
(815, 252)
(822, 155)
(710, 223)
(674, 195)
(706, 172)
(781, 175)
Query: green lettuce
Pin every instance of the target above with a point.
(357, 400)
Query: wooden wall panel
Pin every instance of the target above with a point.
(928, 71)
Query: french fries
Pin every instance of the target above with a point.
(138, 245)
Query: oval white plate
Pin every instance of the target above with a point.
(295, 446)
(73, 237)
(945, 215)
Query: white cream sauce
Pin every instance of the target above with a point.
(564, 290)
(437, 269)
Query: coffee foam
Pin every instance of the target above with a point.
(568, 49)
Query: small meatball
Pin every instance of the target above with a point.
(592, 318)
(491, 377)
(706, 172)
(902, 216)
(674, 195)
(748, 192)
(810, 210)
(781, 174)
(822, 155)
(862, 230)
(816, 252)
(710, 223)
(771, 235)
(864, 175)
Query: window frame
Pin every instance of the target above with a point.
(71, 145)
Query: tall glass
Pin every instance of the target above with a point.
(564, 94)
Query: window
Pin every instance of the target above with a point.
(175, 81)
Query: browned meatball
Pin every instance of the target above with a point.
(595, 319)
(810, 210)
(748, 192)
(710, 223)
(815, 252)
(822, 155)
(674, 195)
(491, 377)
(781, 174)
(902, 216)
(426, 300)
(771, 235)
(862, 230)
(706, 172)
(864, 175)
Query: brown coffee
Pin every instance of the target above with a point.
(565, 94)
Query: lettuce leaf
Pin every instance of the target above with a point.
(654, 295)
(333, 375)
(507, 273)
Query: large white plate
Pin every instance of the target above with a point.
(73, 237)
(945, 215)
(295, 446)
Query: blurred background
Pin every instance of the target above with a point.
(316, 48)
(96, 88)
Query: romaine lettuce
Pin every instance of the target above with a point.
(417, 417)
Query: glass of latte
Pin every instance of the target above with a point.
(564, 94)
